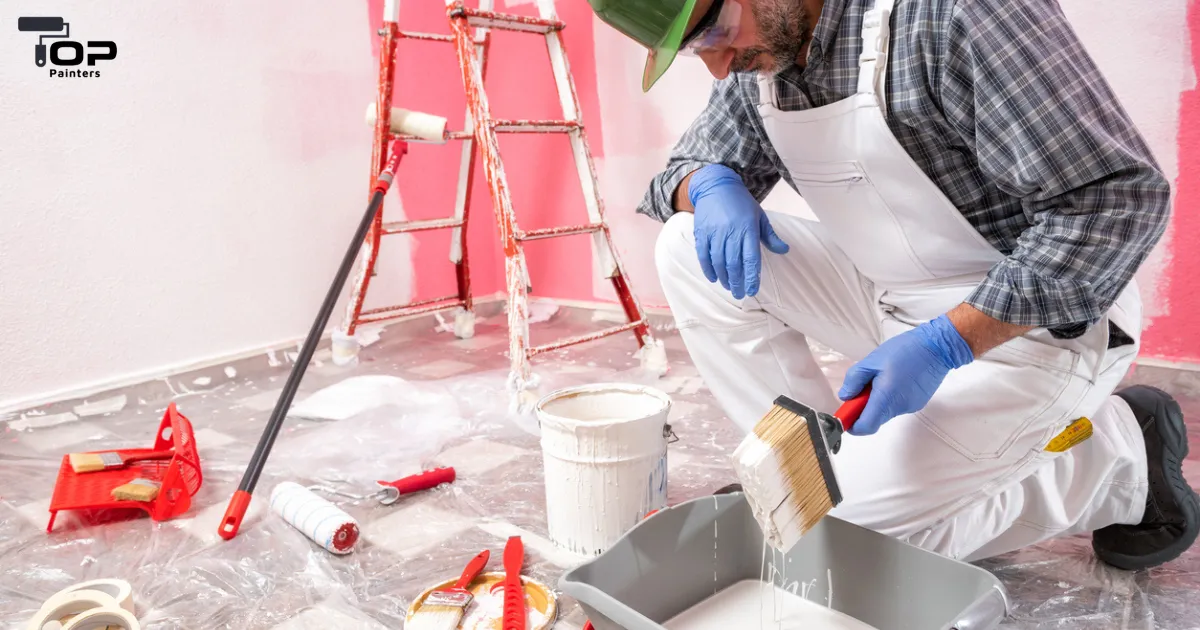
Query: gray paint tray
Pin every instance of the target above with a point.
(666, 564)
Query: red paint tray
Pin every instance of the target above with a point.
(180, 476)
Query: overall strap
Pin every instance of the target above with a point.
(766, 91)
(872, 62)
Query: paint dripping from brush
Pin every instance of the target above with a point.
(829, 584)
(716, 508)
(762, 583)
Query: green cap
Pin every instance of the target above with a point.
(659, 25)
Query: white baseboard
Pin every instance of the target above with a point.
(1170, 365)
(133, 378)
(160, 372)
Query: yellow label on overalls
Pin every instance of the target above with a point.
(1076, 432)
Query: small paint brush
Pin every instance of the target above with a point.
(443, 609)
(111, 460)
(786, 469)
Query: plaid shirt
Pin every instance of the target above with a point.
(1000, 105)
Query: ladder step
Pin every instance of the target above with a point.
(506, 126)
(416, 308)
(508, 22)
(578, 339)
(450, 135)
(432, 37)
(400, 227)
(566, 230)
(536, 126)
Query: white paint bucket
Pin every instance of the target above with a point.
(604, 451)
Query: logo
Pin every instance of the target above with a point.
(65, 52)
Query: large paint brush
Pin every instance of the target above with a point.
(112, 460)
(443, 609)
(786, 469)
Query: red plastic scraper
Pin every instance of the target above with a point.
(514, 591)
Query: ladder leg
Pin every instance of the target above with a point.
(345, 348)
(493, 169)
(606, 259)
(464, 323)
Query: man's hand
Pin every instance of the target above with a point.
(907, 369)
(728, 227)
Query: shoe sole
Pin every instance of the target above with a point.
(1173, 430)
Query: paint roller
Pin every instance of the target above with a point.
(240, 501)
(321, 521)
(419, 125)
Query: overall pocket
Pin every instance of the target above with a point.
(1009, 402)
(847, 204)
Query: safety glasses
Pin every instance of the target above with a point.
(716, 30)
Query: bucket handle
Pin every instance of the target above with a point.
(669, 433)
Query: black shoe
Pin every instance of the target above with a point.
(730, 489)
(1172, 517)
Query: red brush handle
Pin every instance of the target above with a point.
(850, 410)
(473, 569)
(141, 457)
(514, 592)
(422, 481)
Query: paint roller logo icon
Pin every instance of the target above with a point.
(64, 52)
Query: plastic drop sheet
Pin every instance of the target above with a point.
(418, 399)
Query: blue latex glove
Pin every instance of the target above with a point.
(904, 372)
(728, 227)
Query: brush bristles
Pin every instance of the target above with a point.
(436, 618)
(86, 462)
(780, 467)
(441, 610)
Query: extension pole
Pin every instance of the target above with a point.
(241, 498)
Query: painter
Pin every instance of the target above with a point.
(983, 203)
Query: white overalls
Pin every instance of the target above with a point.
(967, 476)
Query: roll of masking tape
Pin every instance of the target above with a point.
(83, 602)
(119, 590)
(104, 619)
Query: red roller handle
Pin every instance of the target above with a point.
(850, 410)
(234, 515)
(422, 481)
(384, 180)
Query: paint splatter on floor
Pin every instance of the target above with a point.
(271, 576)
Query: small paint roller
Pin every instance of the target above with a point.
(424, 126)
(323, 522)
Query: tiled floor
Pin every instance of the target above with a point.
(435, 400)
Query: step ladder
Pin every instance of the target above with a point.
(482, 130)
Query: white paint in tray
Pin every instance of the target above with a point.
(743, 606)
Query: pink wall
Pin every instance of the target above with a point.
(640, 129)
(1175, 336)
(543, 185)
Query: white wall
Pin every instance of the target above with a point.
(193, 201)
(1141, 47)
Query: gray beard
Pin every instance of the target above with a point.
(782, 27)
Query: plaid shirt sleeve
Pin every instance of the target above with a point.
(727, 132)
(1021, 91)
